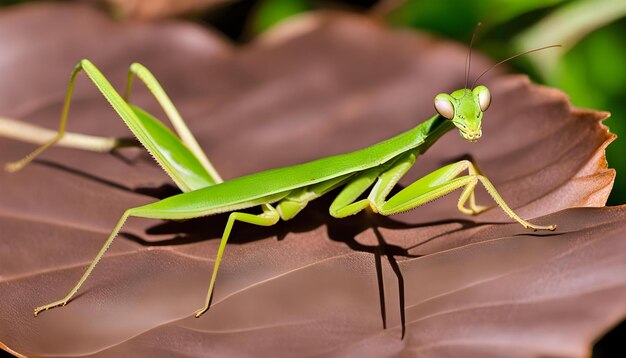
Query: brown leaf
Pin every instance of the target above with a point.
(157, 9)
(316, 86)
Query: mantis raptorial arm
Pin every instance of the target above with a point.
(428, 188)
(15, 166)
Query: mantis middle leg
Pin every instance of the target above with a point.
(269, 217)
(288, 207)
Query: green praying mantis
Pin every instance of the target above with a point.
(283, 192)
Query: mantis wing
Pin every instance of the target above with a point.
(175, 158)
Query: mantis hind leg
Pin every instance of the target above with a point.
(72, 292)
(49, 138)
(269, 217)
(166, 210)
(17, 165)
(150, 132)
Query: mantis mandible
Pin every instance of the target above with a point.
(282, 193)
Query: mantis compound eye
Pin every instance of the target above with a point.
(444, 106)
(483, 96)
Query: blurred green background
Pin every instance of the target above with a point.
(589, 67)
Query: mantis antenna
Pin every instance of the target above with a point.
(468, 59)
(510, 58)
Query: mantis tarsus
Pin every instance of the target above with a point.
(282, 193)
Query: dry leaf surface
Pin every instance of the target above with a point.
(321, 85)
(156, 9)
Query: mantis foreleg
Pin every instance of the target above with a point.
(424, 190)
(345, 203)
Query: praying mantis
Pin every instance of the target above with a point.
(283, 192)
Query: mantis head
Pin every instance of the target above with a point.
(465, 109)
